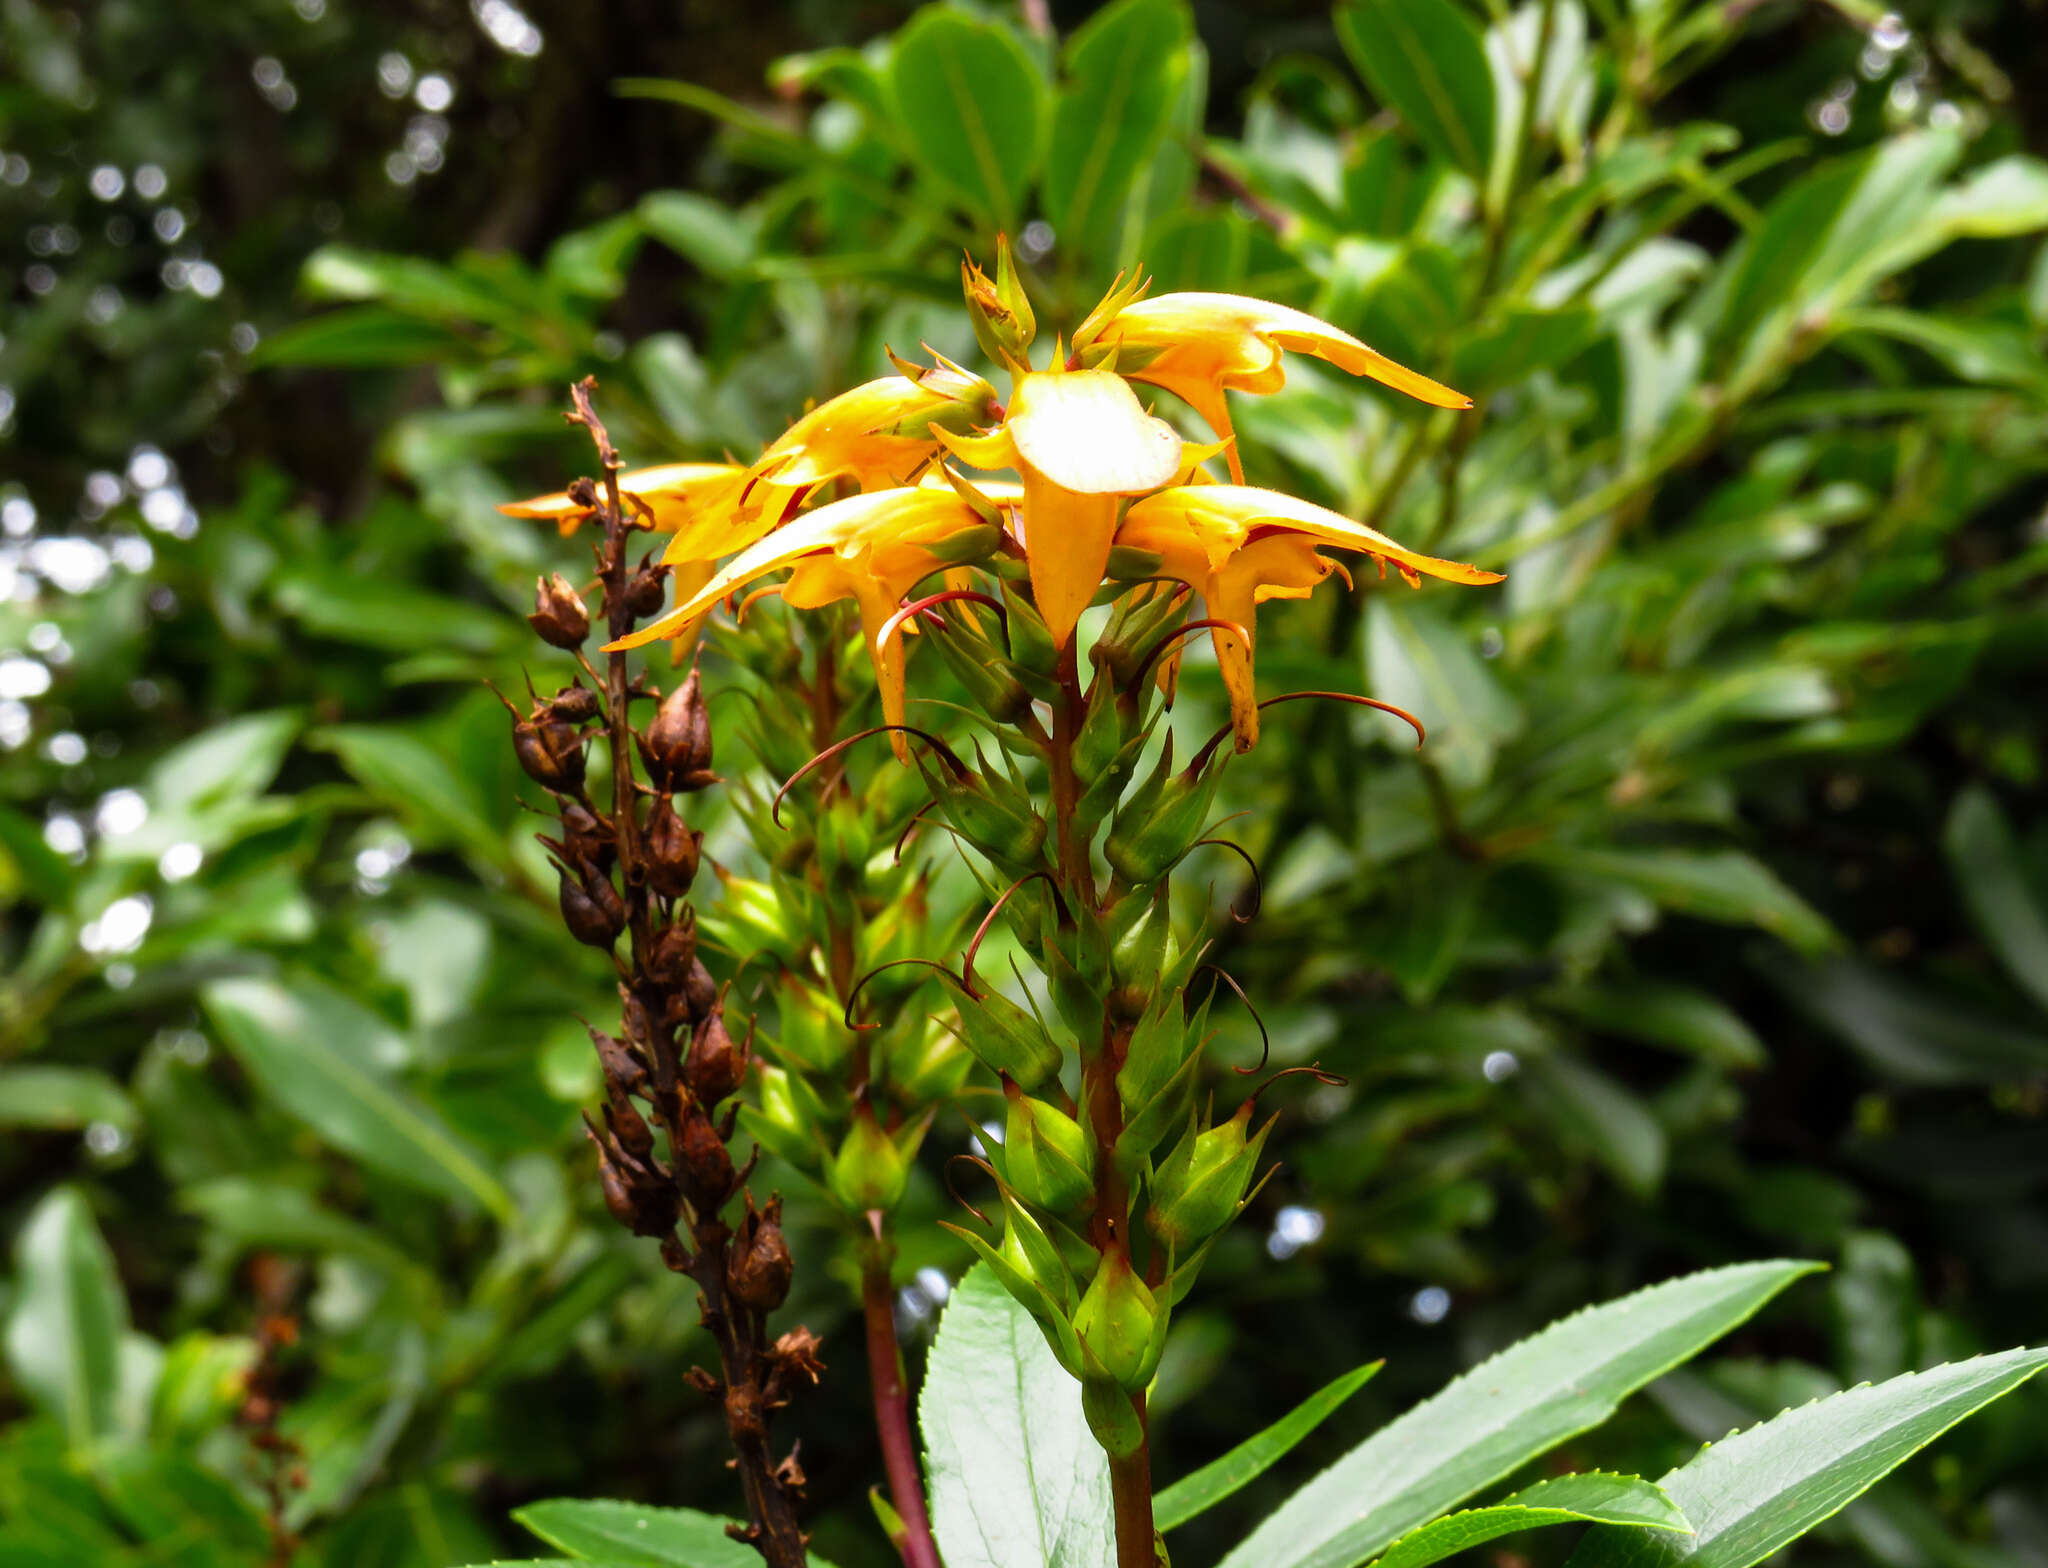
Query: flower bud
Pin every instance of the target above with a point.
(1200, 1186)
(714, 1066)
(1047, 1156)
(1006, 1039)
(1000, 310)
(672, 850)
(781, 1123)
(758, 1269)
(928, 1064)
(1101, 735)
(592, 908)
(677, 746)
(558, 613)
(1120, 1323)
(1156, 826)
(1140, 958)
(993, 814)
(869, 1172)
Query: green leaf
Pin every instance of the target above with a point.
(593, 261)
(1910, 1034)
(1676, 1016)
(1594, 1497)
(973, 103)
(68, 1318)
(1216, 1480)
(360, 337)
(1125, 69)
(227, 762)
(1017, 1479)
(189, 1515)
(1594, 1113)
(1503, 1413)
(1425, 60)
(329, 1062)
(376, 612)
(2009, 914)
(27, 863)
(415, 780)
(1753, 1493)
(66, 1097)
(701, 230)
(1725, 885)
(1419, 660)
(633, 1535)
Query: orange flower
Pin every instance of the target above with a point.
(1197, 345)
(1239, 547)
(871, 548)
(674, 492)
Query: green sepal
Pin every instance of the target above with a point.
(1127, 565)
(1024, 1236)
(1156, 1052)
(1007, 1040)
(1200, 1187)
(1031, 644)
(1101, 735)
(870, 1170)
(1111, 1416)
(1047, 1155)
(1145, 841)
(1028, 1294)
(1100, 798)
(994, 683)
(779, 1125)
(994, 815)
(927, 1062)
(1120, 1323)
(1078, 1003)
(1152, 1122)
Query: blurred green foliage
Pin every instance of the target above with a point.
(1712, 921)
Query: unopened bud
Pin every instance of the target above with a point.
(1046, 1155)
(1119, 1323)
(999, 309)
(869, 1172)
(558, 612)
(1007, 1039)
(758, 1270)
(672, 850)
(1200, 1186)
(677, 745)
(1162, 818)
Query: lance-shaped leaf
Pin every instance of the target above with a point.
(1503, 1413)
(1624, 1501)
(68, 1317)
(633, 1535)
(1216, 1480)
(1425, 60)
(973, 103)
(1756, 1491)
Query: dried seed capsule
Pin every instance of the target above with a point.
(758, 1270)
(644, 592)
(677, 745)
(715, 1065)
(574, 703)
(673, 958)
(558, 612)
(592, 908)
(702, 1160)
(672, 850)
(551, 753)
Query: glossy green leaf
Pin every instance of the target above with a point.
(1426, 60)
(226, 762)
(191, 1517)
(363, 337)
(1674, 1016)
(66, 1097)
(1417, 659)
(1597, 1116)
(416, 781)
(67, 1319)
(1503, 1413)
(1124, 74)
(1909, 1033)
(1591, 1498)
(632, 1535)
(1017, 1479)
(29, 864)
(1759, 1490)
(974, 105)
(593, 261)
(1721, 885)
(1219, 1478)
(2010, 915)
(706, 232)
(330, 1062)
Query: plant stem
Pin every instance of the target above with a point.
(1130, 1488)
(892, 1402)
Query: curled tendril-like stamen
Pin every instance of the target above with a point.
(1152, 654)
(739, 610)
(1265, 1040)
(853, 995)
(973, 947)
(1352, 697)
(1258, 882)
(889, 627)
(952, 759)
(954, 1192)
(1315, 1070)
(909, 828)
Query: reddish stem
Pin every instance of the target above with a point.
(892, 1403)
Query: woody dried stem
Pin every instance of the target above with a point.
(626, 869)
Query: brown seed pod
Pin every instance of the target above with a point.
(702, 1161)
(677, 746)
(672, 850)
(716, 1065)
(559, 615)
(591, 907)
(758, 1270)
(674, 956)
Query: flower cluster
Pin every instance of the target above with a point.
(984, 531)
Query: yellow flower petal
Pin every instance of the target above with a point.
(1196, 344)
(675, 492)
(1086, 431)
(1226, 515)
